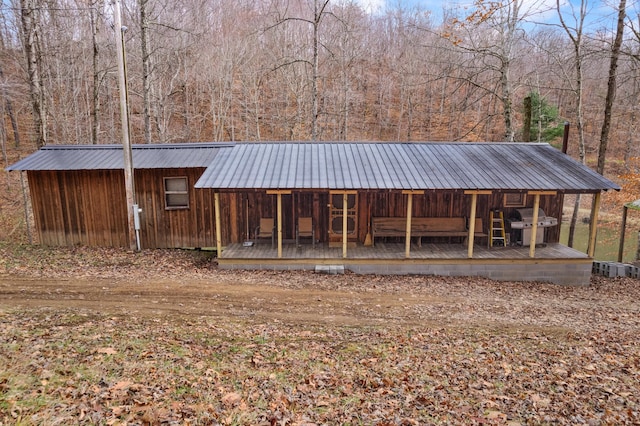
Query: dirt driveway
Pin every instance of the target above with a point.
(177, 283)
(340, 300)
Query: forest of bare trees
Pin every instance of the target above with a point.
(213, 70)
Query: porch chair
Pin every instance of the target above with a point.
(266, 229)
(305, 228)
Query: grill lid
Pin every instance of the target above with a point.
(524, 219)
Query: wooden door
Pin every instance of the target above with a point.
(336, 216)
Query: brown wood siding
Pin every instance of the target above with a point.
(371, 204)
(79, 207)
(89, 208)
(173, 228)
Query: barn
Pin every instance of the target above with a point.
(468, 209)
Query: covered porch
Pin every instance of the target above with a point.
(553, 262)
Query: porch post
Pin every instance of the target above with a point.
(534, 225)
(594, 224)
(472, 218)
(345, 211)
(279, 198)
(472, 224)
(278, 193)
(216, 203)
(407, 248)
(623, 228)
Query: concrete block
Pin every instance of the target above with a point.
(329, 269)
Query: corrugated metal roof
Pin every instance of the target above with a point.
(110, 157)
(400, 166)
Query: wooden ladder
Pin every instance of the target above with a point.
(497, 235)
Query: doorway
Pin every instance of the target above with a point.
(336, 216)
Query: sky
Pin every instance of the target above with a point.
(601, 13)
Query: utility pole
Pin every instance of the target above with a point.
(132, 207)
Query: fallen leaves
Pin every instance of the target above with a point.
(204, 371)
(396, 350)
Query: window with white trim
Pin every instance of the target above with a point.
(176, 193)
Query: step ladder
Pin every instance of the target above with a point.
(497, 234)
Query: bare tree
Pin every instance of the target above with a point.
(145, 44)
(30, 35)
(8, 105)
(575, 34)
(611, 86)
(94, 13)
(318, 9)
(490, 36)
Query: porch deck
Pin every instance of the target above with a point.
(552, 262)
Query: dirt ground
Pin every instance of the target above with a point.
(183, 283)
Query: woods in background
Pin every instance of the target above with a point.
(214, 70)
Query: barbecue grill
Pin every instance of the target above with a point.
(522, 222)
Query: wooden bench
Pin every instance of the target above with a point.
(424, 227)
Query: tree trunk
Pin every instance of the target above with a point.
(576, 40)
(146, 69)
(34, 63)
(95, 99)
(9, 109)
(526, 128)
(611, 87)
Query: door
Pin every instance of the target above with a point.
(336, 216)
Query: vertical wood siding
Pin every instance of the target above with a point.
(79, 207)
(371, 204)
(174, 228)
(88, 207)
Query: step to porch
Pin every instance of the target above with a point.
(330, 269)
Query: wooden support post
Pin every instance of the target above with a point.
(407, 247)
(534, 225)
(216, 202)
(278, 193)
(472, 218)
(279, 197)
(594, 224)
(472, 224)
(345, 211)
(623, 228)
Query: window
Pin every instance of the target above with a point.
(176, 193)
(515, 200)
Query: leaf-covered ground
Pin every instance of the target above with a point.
(103, 336)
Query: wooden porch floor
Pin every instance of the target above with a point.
(396, 251)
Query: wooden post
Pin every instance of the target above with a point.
(130, 192)
(216, 202)
(278, 193)
(594, 224)
(345, 211)
(472, 224)
(407, 249)
(472, 218)
(623, 228)
(534, 226)
(279, 197)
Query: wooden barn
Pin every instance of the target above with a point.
(487, 209)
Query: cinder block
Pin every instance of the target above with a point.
(632, 271)
(329, 269)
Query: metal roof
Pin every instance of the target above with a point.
(110, 157)
(400, 166)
